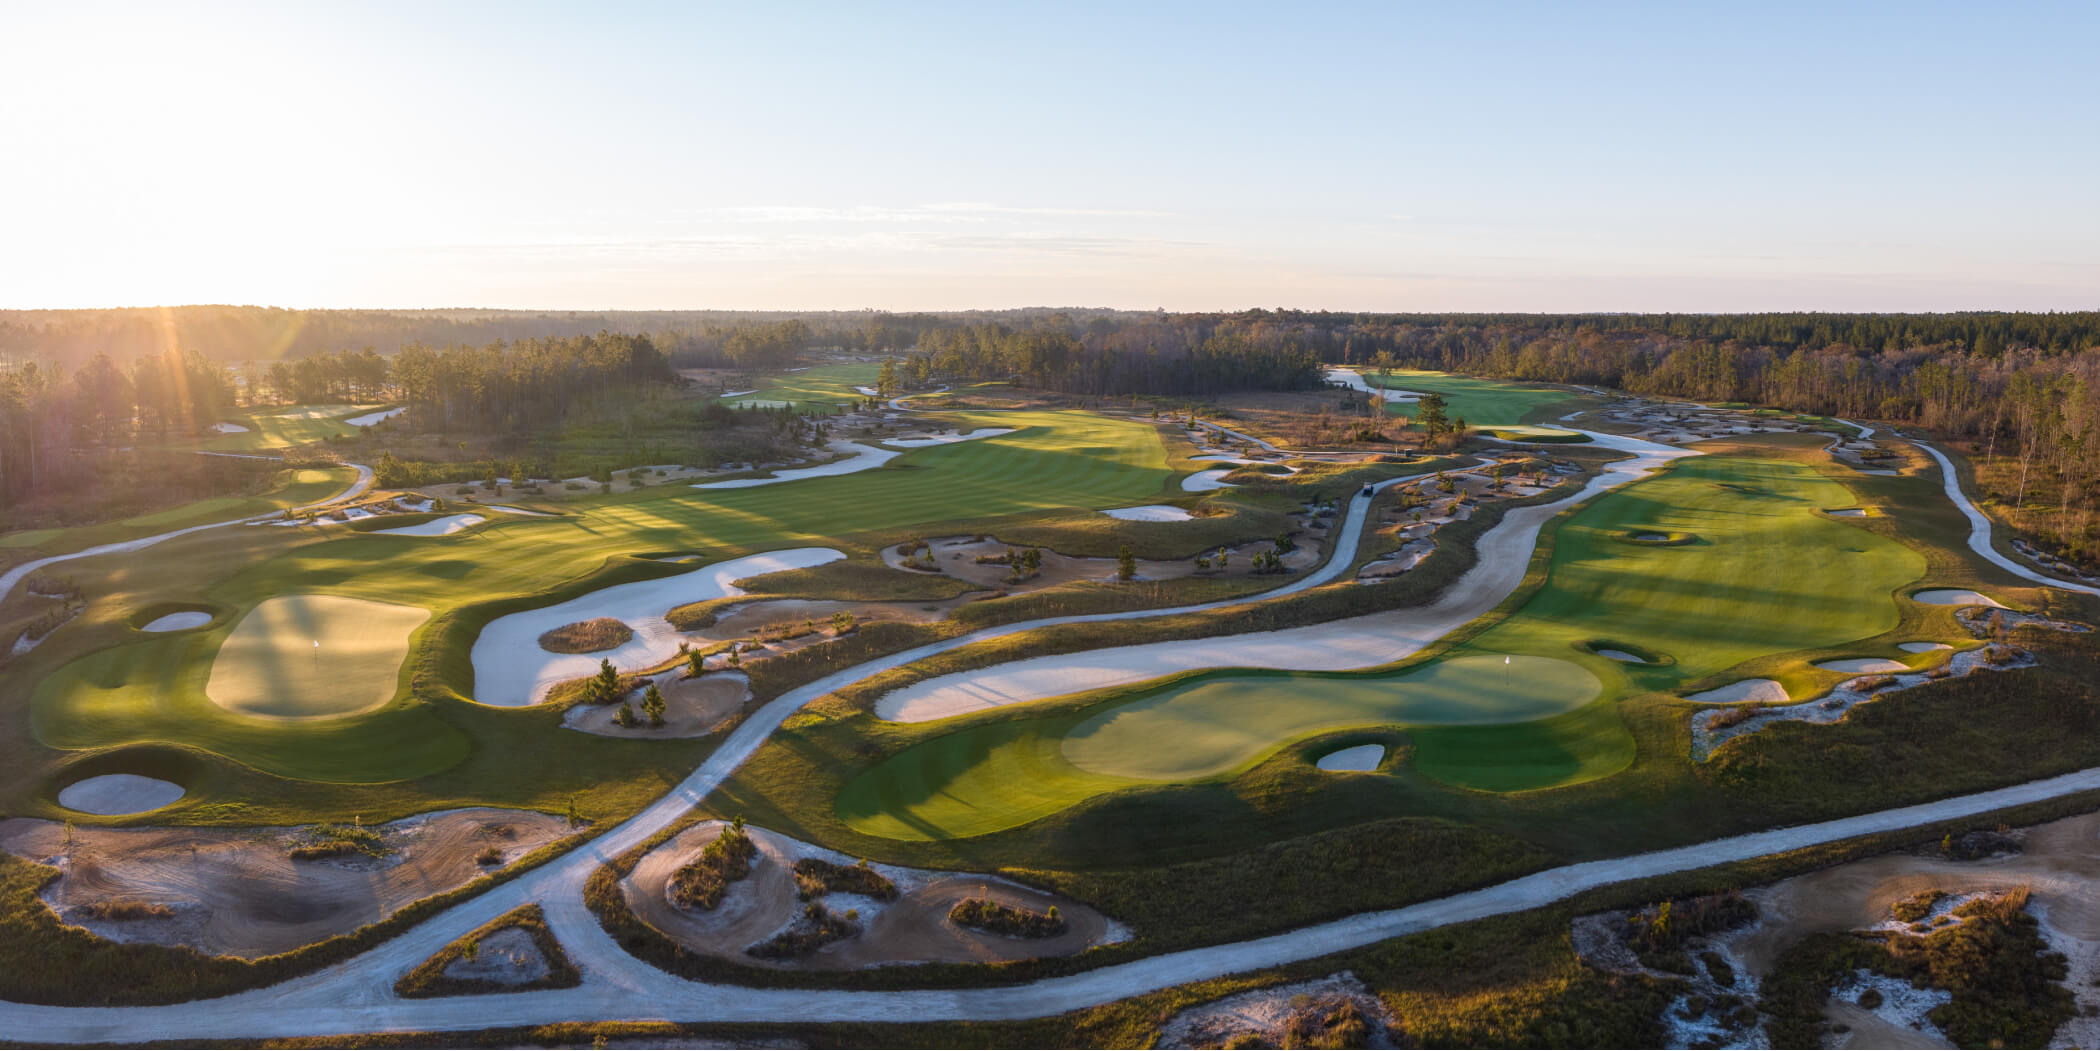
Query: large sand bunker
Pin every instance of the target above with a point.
(237, 891)
(1956, 597)
(180, 621)
(1360, 758)
(313, 656)
(111, 794)
(1864, 666)
(914, 928)
(1149, 513)
(1762, 691)
(445, 526)
(511, 670)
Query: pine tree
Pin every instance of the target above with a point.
(653, 705)
(1126, 564)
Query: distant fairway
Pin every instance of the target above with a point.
(152, 687)
(297, 487)
(1765, 574)
(290, 426)
(1481, 403)
(823, 384)
(271, 666)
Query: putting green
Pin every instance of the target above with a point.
(1765, 574)
(1217, 725)
(313, 656)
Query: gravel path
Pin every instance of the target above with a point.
(1980, 530)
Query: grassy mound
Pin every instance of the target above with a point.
(588, 636)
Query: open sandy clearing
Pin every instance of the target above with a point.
(914, 928)
(692, 707)
(511, 670)
(1362, 757)
(1762, 691)
(1149, 513)
(111, 794)
(1956, 597)
(1864, 666)
(445, 526)
(237, 891)
(1350, 644)
(313, 656)
(182, 621)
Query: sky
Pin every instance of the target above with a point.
(1697, 157)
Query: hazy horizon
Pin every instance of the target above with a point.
(1620, 158)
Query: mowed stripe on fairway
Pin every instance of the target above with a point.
(313, 656)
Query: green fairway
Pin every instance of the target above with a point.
(822, 384)
(312, 656)
(1481, 403)
(290, 426)
(1221, 724)
(144, 688)
(1764, 573)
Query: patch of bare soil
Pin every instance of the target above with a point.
(1335, 1011)
(914, 928)
(692, 707)
(2058, 862)
(237, 892)
(507, 957)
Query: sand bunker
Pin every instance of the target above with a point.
(1619, 655)
(1850, 512)
(520, 511)
(738, 393)
(1149, 513)
(229, 428)
(237, 891)
(371, 418)
(1864, 666)
(1762, 691)
(913, 928)
(112, 794)
(692, 707)
(947, 439)
(445, 526)
(857, 458)
(1922, 647)
(507, 957)
(183, 621)
(313, 656)
(1272, 1017)
(511, 670)
(1956, 597)
(1361, 757)
(1206, 481)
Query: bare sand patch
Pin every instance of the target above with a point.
(1270, 1017)
(183, 621)
(445, 526)
(1762, 691)
(1864, 665)
(692, 707)
(313, 656)
(237, 891)
(507, 957)
(1956, 597)
(1360, 758)
(914, 928)
(1149, 513)
(110, 794)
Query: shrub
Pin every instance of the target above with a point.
(817, 928)
(987, 915)
(587, 636)
(1917, 906)
(124, 910)
(815, 877)
(327, 840)
(701, 883)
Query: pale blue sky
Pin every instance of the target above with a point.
(1189, 156)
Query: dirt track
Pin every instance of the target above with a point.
(237, 892)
